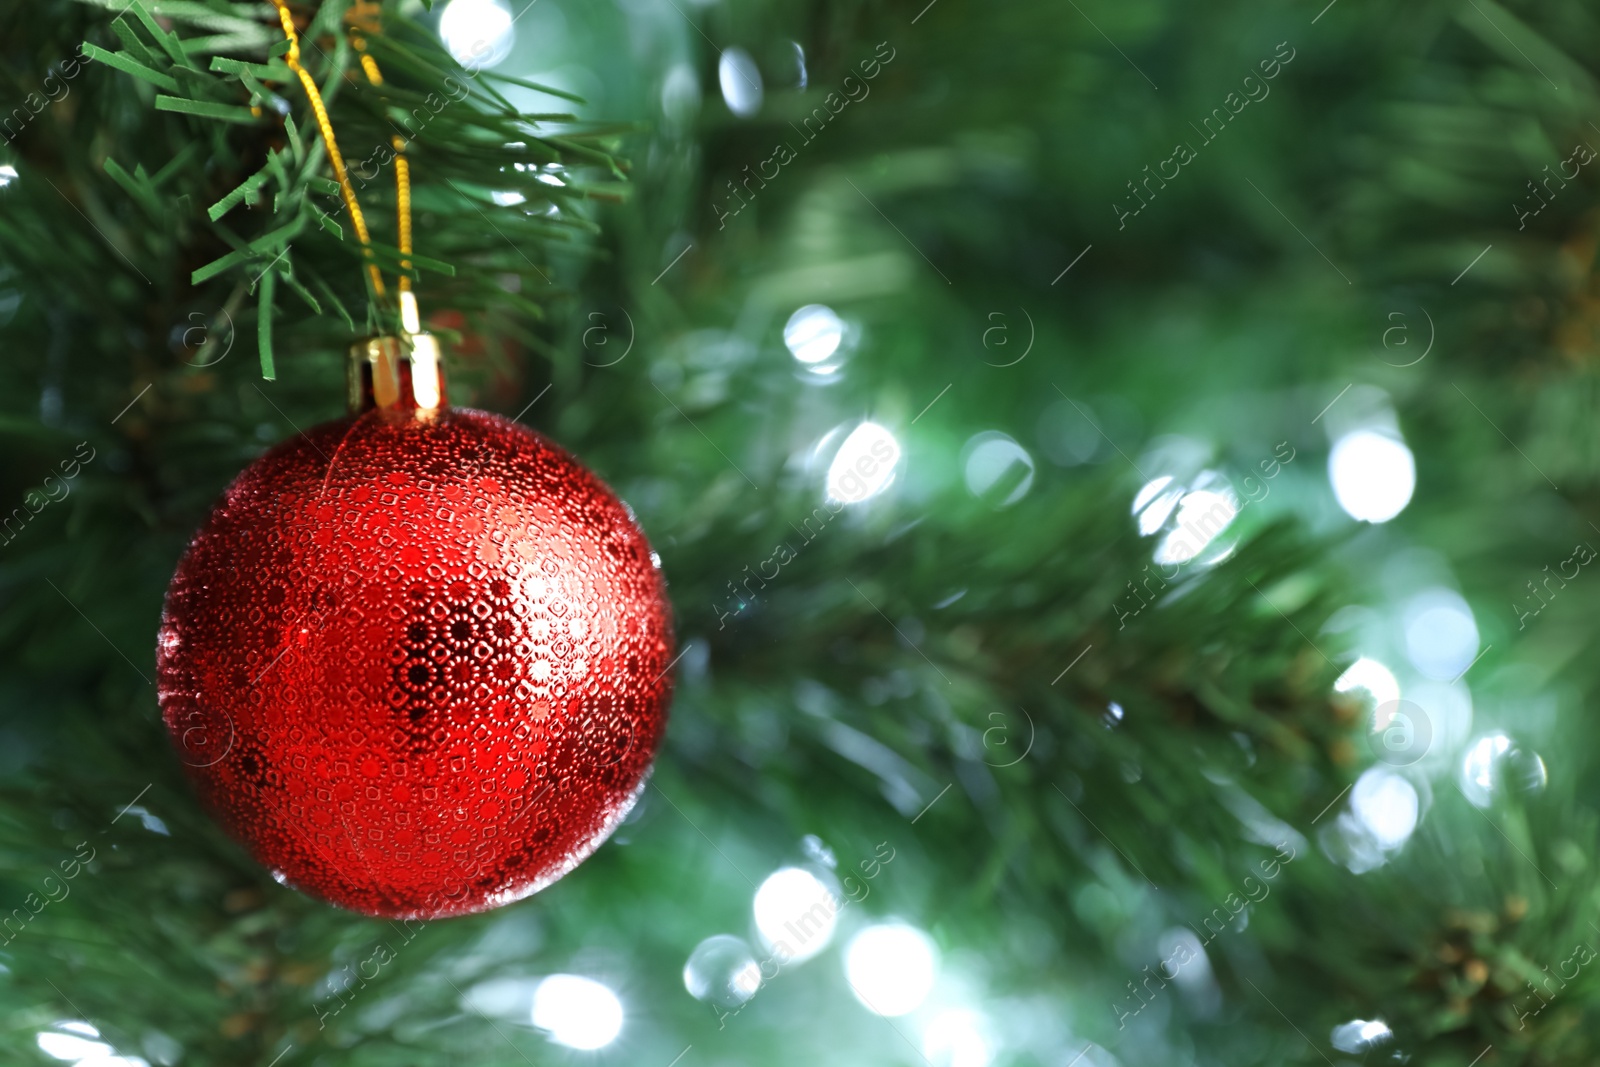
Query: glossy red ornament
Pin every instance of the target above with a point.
(417, 660)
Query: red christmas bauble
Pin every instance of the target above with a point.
(417, 663)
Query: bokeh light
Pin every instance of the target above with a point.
(1386, 805)
(506, 997)
(1495, 764)
(1360, 1035)
(1190, 513)
(1193, 968)
(997, 469)
(1154, 502)
(864, 465)
(740, 81)
(1067, 436)
(723, 971)
(795, 909)
(1373, 677)
(1441, 635)
(578, 1012)
(680, 95)
(73, 1041)
(478, 33)
(813, 333)
(891, 967)
(1201, 517)
(1373, 475)
(955, 1039)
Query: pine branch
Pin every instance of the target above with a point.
(285, 217)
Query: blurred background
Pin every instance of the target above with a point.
(1179, 419)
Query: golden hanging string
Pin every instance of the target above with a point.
(325, 127)
(363, 16)
(373, 374)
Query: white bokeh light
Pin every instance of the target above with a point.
(478, 33)
(680, 95)
(1484, 770)
(498, 998)
(1372, 676)
(955, 1039)
(1373, 475)
(74, 1041)
(794, 909)
(1202, 515)
(578, 1012)
(1479, 761)
(997, 464)
(740, 81)
(75, 1044)
(1441, 634)
(891, 967)
(864, 465)
(1386, 806)
(8, 174)
(1154, 502)
(1360, 1035)
(1147, 493)
(722, 969)
(1194, 976)
(813, 333)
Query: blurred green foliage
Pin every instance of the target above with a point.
(927, 637)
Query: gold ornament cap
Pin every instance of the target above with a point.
(400, 374)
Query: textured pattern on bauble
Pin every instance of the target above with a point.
(419, 667)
